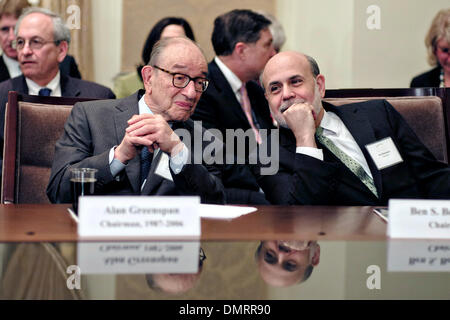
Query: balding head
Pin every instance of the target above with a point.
(163, 95)
(291, 77)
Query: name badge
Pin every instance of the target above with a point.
(418, 255)
(162, 169)
(138, 257)
(384, 153)
(423, 219)
(138, 216)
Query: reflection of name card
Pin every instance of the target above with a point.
(138, 257)
(138, 216)
(415, 255)
(426, 219)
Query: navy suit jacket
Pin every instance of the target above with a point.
(70, 87)
(302, 179)
(67, 67)
(93, 128)
(218, 108)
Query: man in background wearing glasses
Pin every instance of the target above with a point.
(42, 41)
(10, 10)
(133, 142)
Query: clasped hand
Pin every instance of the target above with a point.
(148, 131)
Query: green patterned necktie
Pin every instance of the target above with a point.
(353, 165)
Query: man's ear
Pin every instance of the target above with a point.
(147, 73)
(320, 79)
(63, 48)
(316, 257)
(240, 50)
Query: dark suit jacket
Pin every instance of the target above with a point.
(427, 79)
(302, 179)
(68, 67)
(93, 128)
(218, 108)
(70, 87)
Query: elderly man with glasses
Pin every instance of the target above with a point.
(134, 142)
(42, 41)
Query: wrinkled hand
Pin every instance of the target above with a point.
(300, 118)
(150, 131)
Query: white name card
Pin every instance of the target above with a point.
(423, 219)
(138, 216)
(138, 257)
(418, 255)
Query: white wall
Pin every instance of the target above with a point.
(107, 39)
(351, 55)
(324, 30)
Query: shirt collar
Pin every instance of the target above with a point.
(330, 122)
(232, 79)
(54, 85)
(143, 107)
(12, 65)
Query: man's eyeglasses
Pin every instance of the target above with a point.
(181, 80)
(33, 43)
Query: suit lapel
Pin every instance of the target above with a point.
(361, 129)
(4, 72)
(19, 84)
(123, 112)
(227, 96)
(68, 89)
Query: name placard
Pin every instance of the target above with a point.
(418, 255)
(426, 219)
(138, 257)
(138, 216)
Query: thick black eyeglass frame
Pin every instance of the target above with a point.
(173, 74)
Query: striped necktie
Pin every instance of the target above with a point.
(349, 162)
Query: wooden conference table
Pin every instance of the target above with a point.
(39, 245)
(48, 222)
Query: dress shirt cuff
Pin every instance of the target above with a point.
(312, 152)
(115, 166)
(178, 161)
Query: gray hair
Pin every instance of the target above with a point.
(276, 29)
(162, 44)
(314, 65)
(60, 31)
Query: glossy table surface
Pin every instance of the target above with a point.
(45, 222)
(267, 254)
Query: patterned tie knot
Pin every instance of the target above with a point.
(45, 92)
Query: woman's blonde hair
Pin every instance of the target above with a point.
(439, 29)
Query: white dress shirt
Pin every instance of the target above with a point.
(233, 80)
(12, 65)
(54, 85)
(335, 130)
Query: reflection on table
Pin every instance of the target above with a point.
(231, 270)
